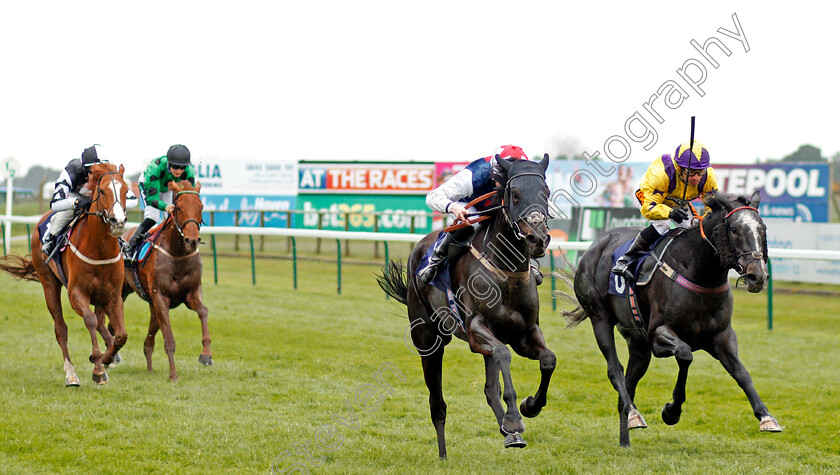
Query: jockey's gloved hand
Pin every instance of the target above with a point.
(678, 215)
(83, 202)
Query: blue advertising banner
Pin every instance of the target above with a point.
(226, 206)
(795, 191)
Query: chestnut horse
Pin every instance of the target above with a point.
(171, 274)
(93, 269)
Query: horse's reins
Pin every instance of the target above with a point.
(480, 216)
(102, 214)
(756, 255)
(513, 224)
(518, 233)
(179, 227)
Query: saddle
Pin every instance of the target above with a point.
(643, 269)
(61, 241)
(443, 280)
(141, 252)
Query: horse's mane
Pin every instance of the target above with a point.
(97, 171)
(185, 185)
(498, 175)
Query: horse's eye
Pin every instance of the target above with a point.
(516, 195)
(733, 231)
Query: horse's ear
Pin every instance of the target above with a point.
(544, 163)
(504, 164)
(122, 169)
(713, 200)
(198, 187)
(173, 186)
(755, 199)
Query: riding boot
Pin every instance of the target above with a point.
(138, 237)
(440, 253)
(622, 265)
(49, 243)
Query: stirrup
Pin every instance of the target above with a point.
(622, 268)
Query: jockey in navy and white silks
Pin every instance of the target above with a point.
(452, 196)
(66, 198)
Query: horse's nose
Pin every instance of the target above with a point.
(755, 282)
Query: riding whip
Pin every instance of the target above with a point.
(690, 153)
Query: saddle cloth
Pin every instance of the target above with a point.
(618, 283)
(442, 280)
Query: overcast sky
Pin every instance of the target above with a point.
(391, 80)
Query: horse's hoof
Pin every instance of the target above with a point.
(100, 379)
(635, 420)
(90, 358)
(514, 440)
(524, 407)
(206, 360)
(769, 424)
(116, 359)
(71, 382)
(668, 416)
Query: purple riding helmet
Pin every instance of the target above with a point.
(699, 160)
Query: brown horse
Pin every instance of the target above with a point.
(171, 274)
(93, 270)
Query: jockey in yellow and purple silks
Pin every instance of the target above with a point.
(689, 174)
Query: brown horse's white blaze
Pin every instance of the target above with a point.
(116, 217)
(93, 267)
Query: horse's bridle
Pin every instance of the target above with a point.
(756, 255)
(508, 210)
(97, 194)
(180, 226)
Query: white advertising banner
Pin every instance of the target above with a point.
(783, 234)
(248, 177)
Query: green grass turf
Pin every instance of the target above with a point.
(291, 365)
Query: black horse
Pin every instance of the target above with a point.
(688, 304)
(495, 296)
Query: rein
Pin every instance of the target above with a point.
(513, 224)
(179, 226)
(754, 254)
(101, 213)
(478, 219)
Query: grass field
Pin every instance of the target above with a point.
(289, 365)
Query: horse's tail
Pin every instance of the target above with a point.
(567, 277)
(394, 281)
(19, 267)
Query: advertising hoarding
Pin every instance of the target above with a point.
(795, 191)
(367, 178)
(397, 213)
